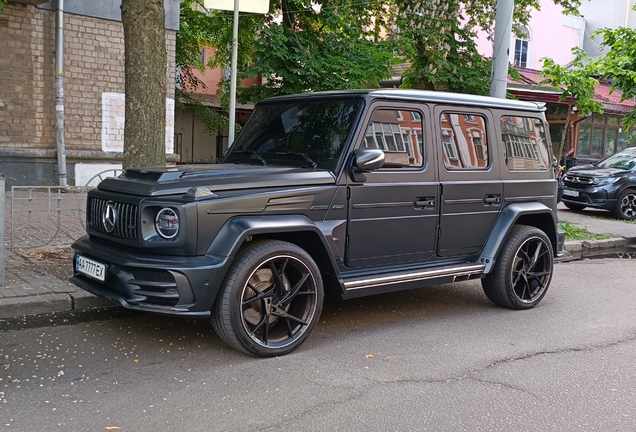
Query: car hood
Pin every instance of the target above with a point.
(594, 171)
(219, 177)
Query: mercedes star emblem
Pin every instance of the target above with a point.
(109, 217)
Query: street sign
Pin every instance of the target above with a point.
(250, 6)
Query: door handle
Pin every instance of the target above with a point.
(492, 200)
(425, 203)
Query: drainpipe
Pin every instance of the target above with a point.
(59, 92)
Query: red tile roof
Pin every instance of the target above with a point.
(602, 93)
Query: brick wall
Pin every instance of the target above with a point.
(27, 116)
(93, 65)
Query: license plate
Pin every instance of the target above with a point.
(90, 268)
(570, 193)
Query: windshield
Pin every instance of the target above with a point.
(625, 161)
(308, 133)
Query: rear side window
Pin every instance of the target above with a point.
(464, 141)
(399, 134)
(526, 144)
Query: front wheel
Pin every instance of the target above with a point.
(626, 206)
(522, 273)
(270, 300)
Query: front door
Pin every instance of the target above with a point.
(470, 179)
(393, 214)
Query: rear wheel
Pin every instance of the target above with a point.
(270, 301)
(522, 273)
(626, 205)
(577, 207)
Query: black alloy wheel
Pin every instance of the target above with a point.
(270, 301)
(523, 270)
(626, 205)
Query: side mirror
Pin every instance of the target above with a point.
(365, 160)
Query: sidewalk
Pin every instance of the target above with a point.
(32, 288)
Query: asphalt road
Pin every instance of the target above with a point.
(437, 359)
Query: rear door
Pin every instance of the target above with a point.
(393, 215)
(471, 187)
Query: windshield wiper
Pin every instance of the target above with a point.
(307, 159)
(253, 153)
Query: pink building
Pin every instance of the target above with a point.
(549, 33)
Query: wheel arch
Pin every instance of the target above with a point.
(533, 214)
(296, 229)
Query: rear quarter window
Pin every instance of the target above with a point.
(525, 142)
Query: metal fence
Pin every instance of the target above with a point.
(48, 216)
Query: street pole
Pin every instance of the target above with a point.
(3, 178)
(501, 50)
(59, 93)
(232, 127)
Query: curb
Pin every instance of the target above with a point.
(577, 246)
(15, 307)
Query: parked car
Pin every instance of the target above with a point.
(608, 184)
(349, 193)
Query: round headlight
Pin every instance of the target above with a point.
(167, 223)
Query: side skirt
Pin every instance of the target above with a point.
(378, 284)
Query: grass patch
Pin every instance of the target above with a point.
(572, 232)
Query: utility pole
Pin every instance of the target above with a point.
(59, 93)
(501, 51)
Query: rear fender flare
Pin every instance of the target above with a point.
(509, 217)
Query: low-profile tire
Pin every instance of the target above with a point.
(576, 207)
(626, 205)
(270, 301)
(523, 270)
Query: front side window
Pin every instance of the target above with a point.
(307, 133)
(399, 134)
(525, 143)
(464, 141)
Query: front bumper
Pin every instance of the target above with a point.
(596, 197)
(170, 285)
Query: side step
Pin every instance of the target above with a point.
(457, 273)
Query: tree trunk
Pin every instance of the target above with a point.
(564, 133)
(145, 72)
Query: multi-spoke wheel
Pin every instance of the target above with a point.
(270, 300)
(626, 205)
(523, 270)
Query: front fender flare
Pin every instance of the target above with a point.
(234, 232)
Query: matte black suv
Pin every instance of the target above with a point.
(347, 193)
(608, 184)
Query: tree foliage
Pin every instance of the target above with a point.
(211, 30)
(438, 39)
(305, 45)
(619, 64)
(577, 84)
(324, 45)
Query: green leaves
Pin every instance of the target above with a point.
(619, 64)
(577, 82)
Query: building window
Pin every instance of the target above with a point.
(600, 136)
(521, 48)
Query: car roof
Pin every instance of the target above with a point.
(420, 96)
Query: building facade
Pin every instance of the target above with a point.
(93, 89)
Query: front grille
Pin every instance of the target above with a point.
(124, 223)
(576, 181)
